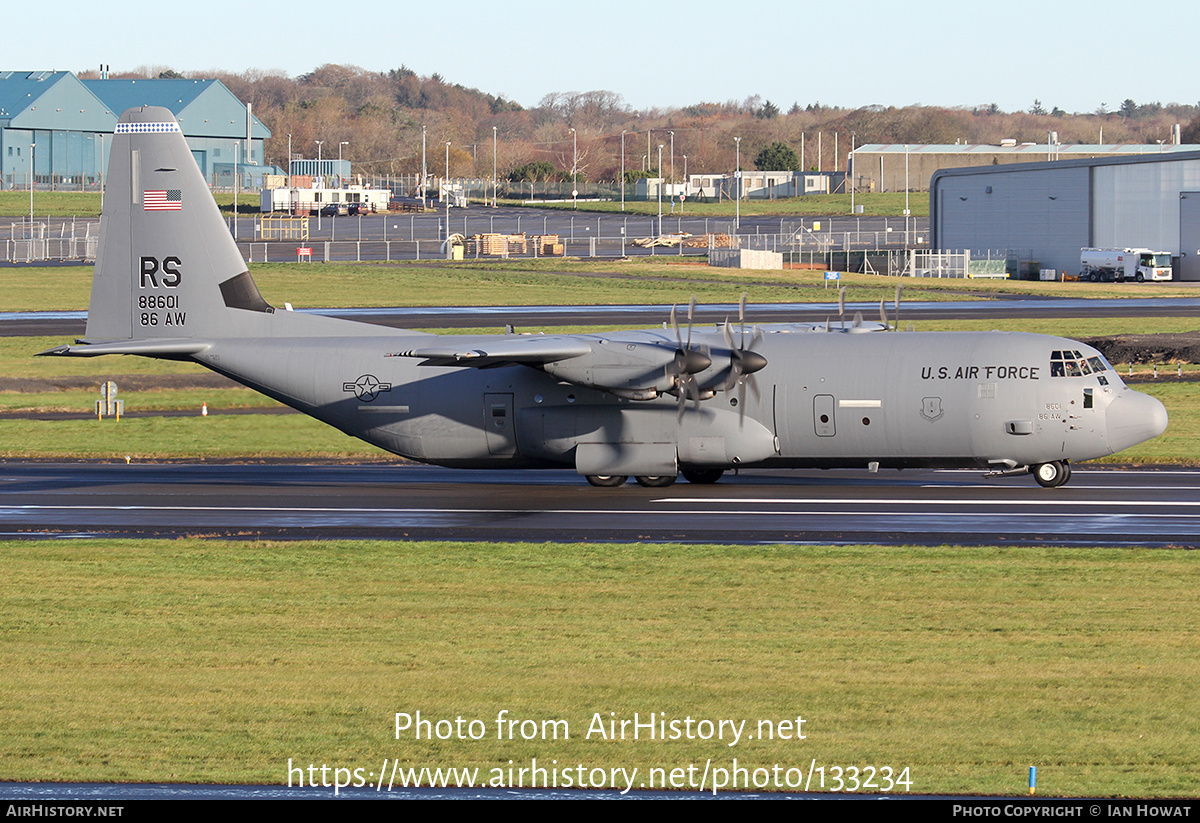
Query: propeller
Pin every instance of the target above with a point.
(688, 362)
(743, 361)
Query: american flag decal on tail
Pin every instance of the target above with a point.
(162, 200)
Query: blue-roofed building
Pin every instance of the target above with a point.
(52, 128)
(69, 123)
(213, 120)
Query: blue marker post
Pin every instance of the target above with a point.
(1032, 779)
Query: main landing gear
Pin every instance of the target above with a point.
(1050, 475)
(704, 476)
(607, 481)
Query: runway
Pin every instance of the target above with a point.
(406, 502)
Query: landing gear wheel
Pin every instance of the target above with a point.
(656, 482)
(703, 476)
(607, 481)
(1050, 475)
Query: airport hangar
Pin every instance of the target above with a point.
(1046, 212)
(71, 121)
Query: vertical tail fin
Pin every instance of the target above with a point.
(167, 266)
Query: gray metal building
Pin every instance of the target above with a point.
(895, 166)
(1046, 212)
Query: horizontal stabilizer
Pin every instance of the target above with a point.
(154, 347)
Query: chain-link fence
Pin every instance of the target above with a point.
(65, 239)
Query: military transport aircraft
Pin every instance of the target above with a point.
(170, 283)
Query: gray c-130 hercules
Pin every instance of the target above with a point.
(170, 283)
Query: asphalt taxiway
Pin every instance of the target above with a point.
(400, 501)
(70, 324)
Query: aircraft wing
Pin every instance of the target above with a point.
(533, 351)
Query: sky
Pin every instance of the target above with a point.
(1071, 54)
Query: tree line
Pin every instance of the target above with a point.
(383, 115)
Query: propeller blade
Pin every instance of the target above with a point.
(691, 316)
(742, 317)
(882, 313)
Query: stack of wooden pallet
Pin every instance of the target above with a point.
(548, 245)
(500, 245)
(709, 241)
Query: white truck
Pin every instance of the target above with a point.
(1124, 264)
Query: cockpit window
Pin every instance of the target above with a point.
(1071, 363)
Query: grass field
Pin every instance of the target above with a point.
(557, 282)
(205, 661)
(218, 661)
(87, 204)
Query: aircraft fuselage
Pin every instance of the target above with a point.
(990, 399)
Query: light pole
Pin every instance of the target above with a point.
(32, 177)
(737, 183)
(495, 180)
(660, 188)
(906, 211)
(574, 168)
(320, 176)
(685, 185)
(622, 175)
(852, 137)
(672, 161)
(446, 197)
(342, 143)
(424, 174)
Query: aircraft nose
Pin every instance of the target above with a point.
(1134, 418)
